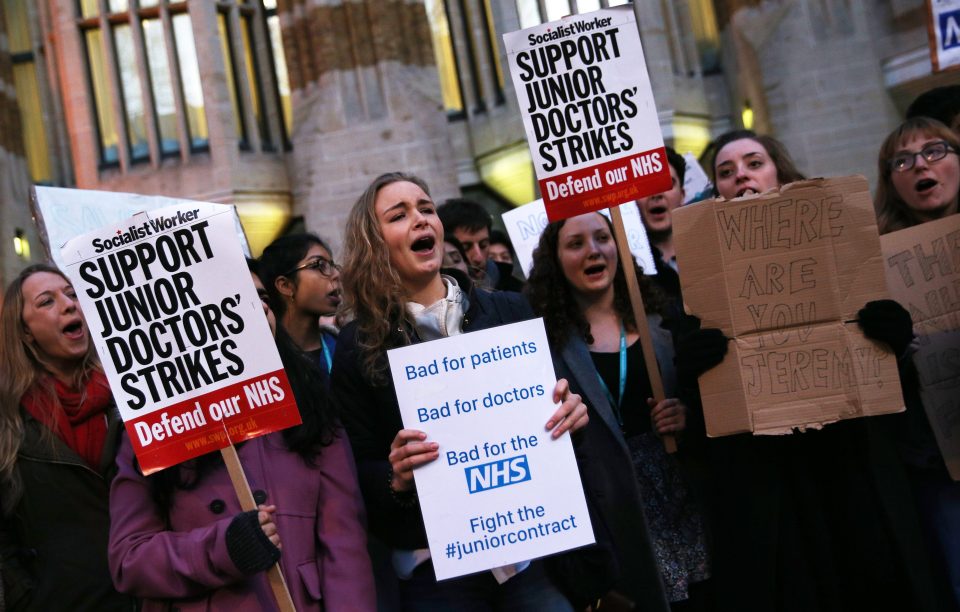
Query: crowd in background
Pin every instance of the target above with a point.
(858, 515)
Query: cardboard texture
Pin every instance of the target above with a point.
(784, 274)
(923, 274)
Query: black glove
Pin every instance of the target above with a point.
(697, 350)
(887, 321)
(250, 549)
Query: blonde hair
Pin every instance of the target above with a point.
(22, 367)
(373, 294)
(892, 212)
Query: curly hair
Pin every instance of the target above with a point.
(892, 212)
(551, 295)
(373, 294)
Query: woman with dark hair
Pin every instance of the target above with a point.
(304, 285)
(919, 170)
(186, 520)
(578, 285)
(396, 296)
(58, 438)
(815, 520)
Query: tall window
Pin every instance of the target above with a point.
(256, 73)
(445, 56)
(27, 86)
(144, 79)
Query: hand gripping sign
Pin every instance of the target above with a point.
(180, 331)
(502, 491)
(588, 110)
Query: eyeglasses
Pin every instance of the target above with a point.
(320, 264)
(931, 152)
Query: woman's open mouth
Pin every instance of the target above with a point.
(746, 191)
(925, 184)
(74, 330)
(595, 270)
(658, 210)
(424, 246)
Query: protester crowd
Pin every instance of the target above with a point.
(858, 515)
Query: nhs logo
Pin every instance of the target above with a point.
(950, 29)
(497, 474)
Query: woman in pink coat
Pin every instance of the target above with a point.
(179, 540)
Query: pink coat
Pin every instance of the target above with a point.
(185, 565)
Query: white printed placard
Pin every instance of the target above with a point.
(588, 111)
(944, 34)
(502, 491)
(180, 330)
(62, 214)
(525, 224)
(696, 183)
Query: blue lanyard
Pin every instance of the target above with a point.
(623, 376)
(326, 354)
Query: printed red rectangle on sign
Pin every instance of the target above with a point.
(209, 422)
(604, 185)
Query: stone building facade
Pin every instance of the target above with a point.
(288, 108)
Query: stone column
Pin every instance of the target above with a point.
(366, 100)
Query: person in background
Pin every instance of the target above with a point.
(454, 256)
(919, 172)
(470, 223)
(816, 520)
(656, 212)
(178, 538)
(940, 103)
(578, 285)
(501, 250)
(396, 296)
(58, 438)
(304, 285)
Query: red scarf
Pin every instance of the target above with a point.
(80, 419)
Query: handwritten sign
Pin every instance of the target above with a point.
(180, 331)
(923, 274)
(503, 491)
(525, 224)
(588, 109)
(784, 275)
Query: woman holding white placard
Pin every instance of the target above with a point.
(396, 296)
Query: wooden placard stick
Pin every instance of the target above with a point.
(640, 316)
(247, 503)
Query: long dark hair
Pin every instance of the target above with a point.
(281, 256)
(551, 295)
(319, 427)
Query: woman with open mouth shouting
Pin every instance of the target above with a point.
(579, 287)
(58, 438)
(395, 294)
(919, 182)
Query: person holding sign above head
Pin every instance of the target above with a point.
(396, 296)
(919, 171)
(578, 285)
(304, 284)
(815, 520)
(58, 436)
(178, 538)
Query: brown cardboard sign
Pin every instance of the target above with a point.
(784, 274)
(923, 273)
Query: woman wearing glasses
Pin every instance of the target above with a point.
(816, 520)
(304, 285)
(396, 296)
(919, 182)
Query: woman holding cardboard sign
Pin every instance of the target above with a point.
(577, 284)
(818, 520)
(58, 438)
(396, 295)
(919, 172)
(178, 538)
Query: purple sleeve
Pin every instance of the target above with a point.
(347, 575)
(148, 560)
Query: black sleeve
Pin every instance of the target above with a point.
(370, 420)
(17, 581)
